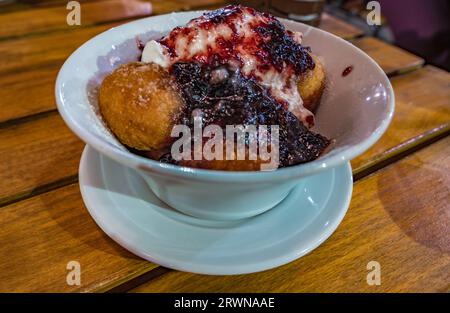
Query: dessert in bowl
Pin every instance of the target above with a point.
(232, 66)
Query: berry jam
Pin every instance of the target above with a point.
(347, 70)
(225, 97)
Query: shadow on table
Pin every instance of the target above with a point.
(416, 197)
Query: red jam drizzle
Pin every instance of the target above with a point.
(347, 70)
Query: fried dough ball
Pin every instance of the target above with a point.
(312, 84)
(140, 104)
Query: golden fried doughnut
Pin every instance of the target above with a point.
(140, 104)
(312, 84)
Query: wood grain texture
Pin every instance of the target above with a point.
(33, 53)
(39, 236)
(43, 20)
(397, 217)
(339, 27)
(30, 4)
(36, 153)
(53, 18)
(392, 59)
(26, 93)
(28, 72)
(422, 109)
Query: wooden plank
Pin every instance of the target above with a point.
(33, 53)
(49, 3)
(34, 154)
(398, 218)
(392, 59)
(41, 235)
(28, 92)
(339, 27)
(54, 18)
(422, 110)
(28, 72)
(12, 6)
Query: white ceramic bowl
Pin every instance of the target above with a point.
(355, 111)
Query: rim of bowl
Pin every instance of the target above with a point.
(156, 167)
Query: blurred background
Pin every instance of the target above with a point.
(421, 27)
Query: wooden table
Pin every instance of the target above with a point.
(399, 214)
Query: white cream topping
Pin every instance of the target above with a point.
(154, 52)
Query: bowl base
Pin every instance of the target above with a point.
(122, 205)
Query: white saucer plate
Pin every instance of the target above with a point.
(125, 208)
